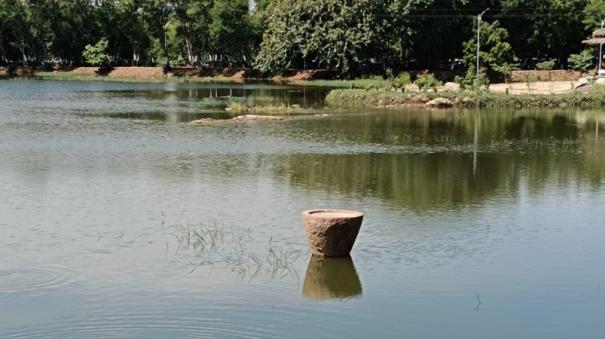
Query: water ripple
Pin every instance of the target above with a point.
(14, 280)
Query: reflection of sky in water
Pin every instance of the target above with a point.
(497, 210)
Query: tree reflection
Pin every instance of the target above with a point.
(505, 151)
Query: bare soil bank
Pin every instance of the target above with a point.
(158, 73)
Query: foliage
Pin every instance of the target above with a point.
(231, 30)
(496, 53)
(540, 28)
(353, 36)
(326, 33)
(546, 65)
(594, 12)
(472, 81)
(402, 80)
(582, 61)
(506, 70)
(96, 54)
(427, 81)
(193, 22)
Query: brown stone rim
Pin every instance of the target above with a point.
(333, 213)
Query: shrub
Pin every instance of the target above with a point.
(471, 81)
(427, 81)
(581, 62)
(546, 65)
(402, 80)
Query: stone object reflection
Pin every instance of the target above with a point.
(331, 278)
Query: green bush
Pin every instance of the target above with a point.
(470, 80)
(581, 62)
(546, 65)
(427, 81)
(402, 80)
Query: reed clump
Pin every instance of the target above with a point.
(236, 251)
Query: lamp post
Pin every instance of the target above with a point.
(479, 18)
(600, 53)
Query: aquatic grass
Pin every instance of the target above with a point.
(238, 107)
(231, 250)
(199, 237)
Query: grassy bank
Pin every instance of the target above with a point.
(377, 82)
(388, 98)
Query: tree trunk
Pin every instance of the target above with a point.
(190, 56)
(23, 54)
(135, 57)
(165, 47)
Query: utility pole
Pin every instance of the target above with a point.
(600, 53)
(479, 18)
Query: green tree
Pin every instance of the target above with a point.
(230, 31)
(122, 22)
(496, 53)
(157, 16)
(594, 14)
(96, 54)
(328, 33)
(544, 28)
(193, 25)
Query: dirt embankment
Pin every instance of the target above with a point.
(306, 74)
(136, 72)
(219, 74)
(158, 73)
(17, 72)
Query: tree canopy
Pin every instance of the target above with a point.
(349, 36)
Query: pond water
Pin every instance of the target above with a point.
(119, 219)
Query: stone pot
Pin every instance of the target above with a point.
(332, 233)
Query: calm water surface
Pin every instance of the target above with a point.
(118, 219)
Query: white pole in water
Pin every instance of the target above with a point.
(475, 145)
(479, 18)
